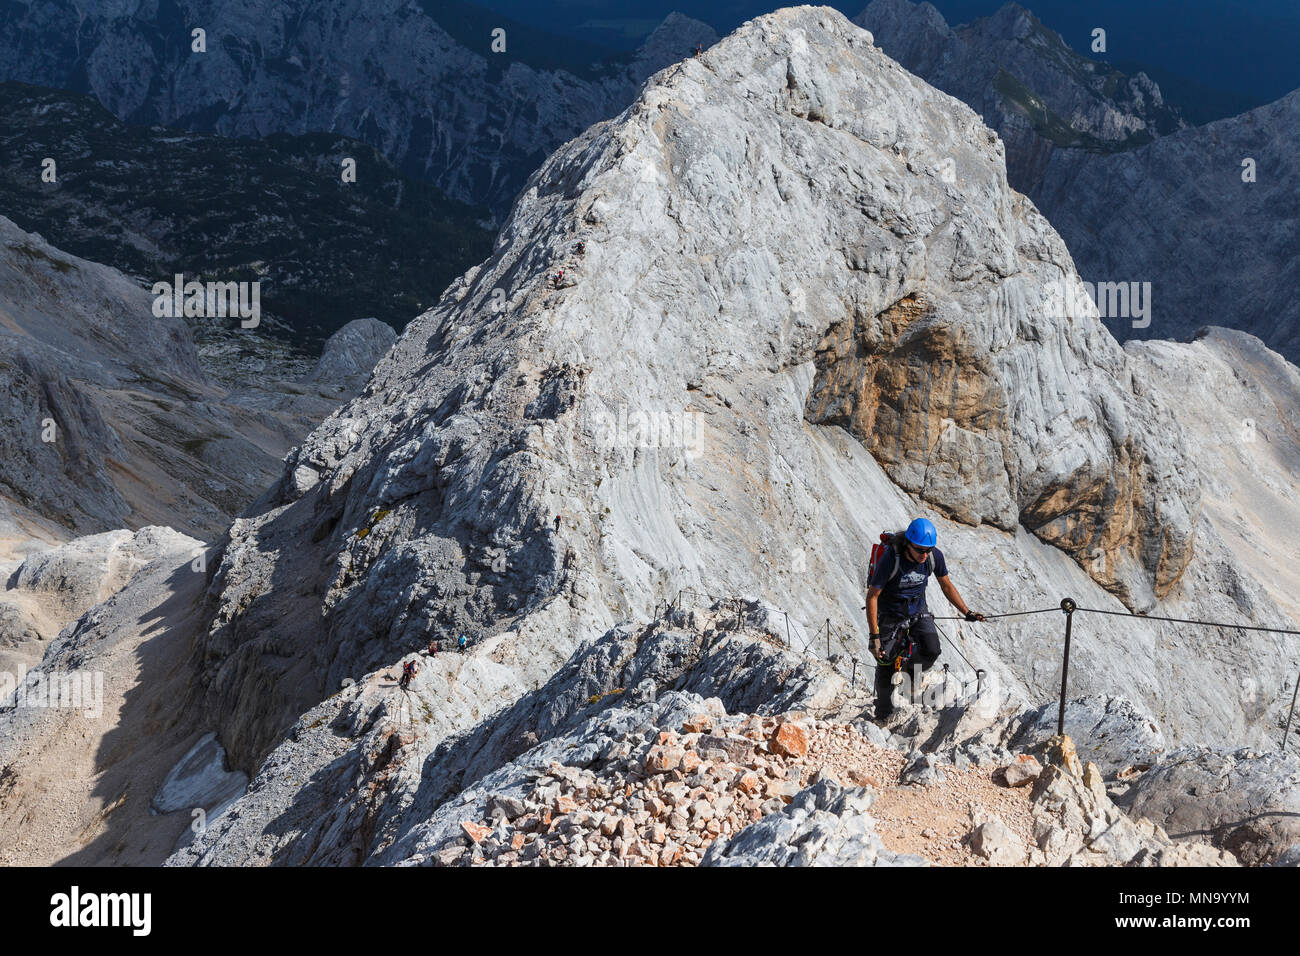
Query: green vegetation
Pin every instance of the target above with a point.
(153, 202)
(380, 515)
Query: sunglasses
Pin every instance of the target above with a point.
(918, 549)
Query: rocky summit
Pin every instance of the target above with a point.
(614, 494)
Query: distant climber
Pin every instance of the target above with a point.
(581, 247)
(409, 670)
(902, 627)
(433, 646)
(699, 50)
(557, 522)
(557, 278)
(462, 643)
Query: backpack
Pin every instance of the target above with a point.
(892, 539)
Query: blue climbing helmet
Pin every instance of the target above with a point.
(921, 533)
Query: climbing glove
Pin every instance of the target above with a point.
(973, 617)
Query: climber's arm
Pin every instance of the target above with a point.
(873, 602)
(950, 592)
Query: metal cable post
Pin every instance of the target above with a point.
(1286, 733)
(1068, 606)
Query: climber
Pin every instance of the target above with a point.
(900, 622)
(557, 278)
(433, 646)
(580, 248)
(462, 643)
(409, 670)
(699, 50)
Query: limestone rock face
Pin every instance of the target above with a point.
(771, 254)
(1119, 174)
(1236, 402)
(351, 353)
(1243, 801)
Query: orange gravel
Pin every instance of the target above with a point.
(932, 821)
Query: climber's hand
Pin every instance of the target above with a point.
(876, 649)
(973, 617)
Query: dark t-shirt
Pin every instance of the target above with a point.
(904, 594)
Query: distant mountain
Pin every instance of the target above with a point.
(153, 202)
(1243, 49)
(418, 81)
(1025, 81)
(1179, 214)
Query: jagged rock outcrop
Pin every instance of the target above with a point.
(350, 354)
(435, 99)
(1243, 801)
(1076, 824)
(1025, 81)
(432, 753)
